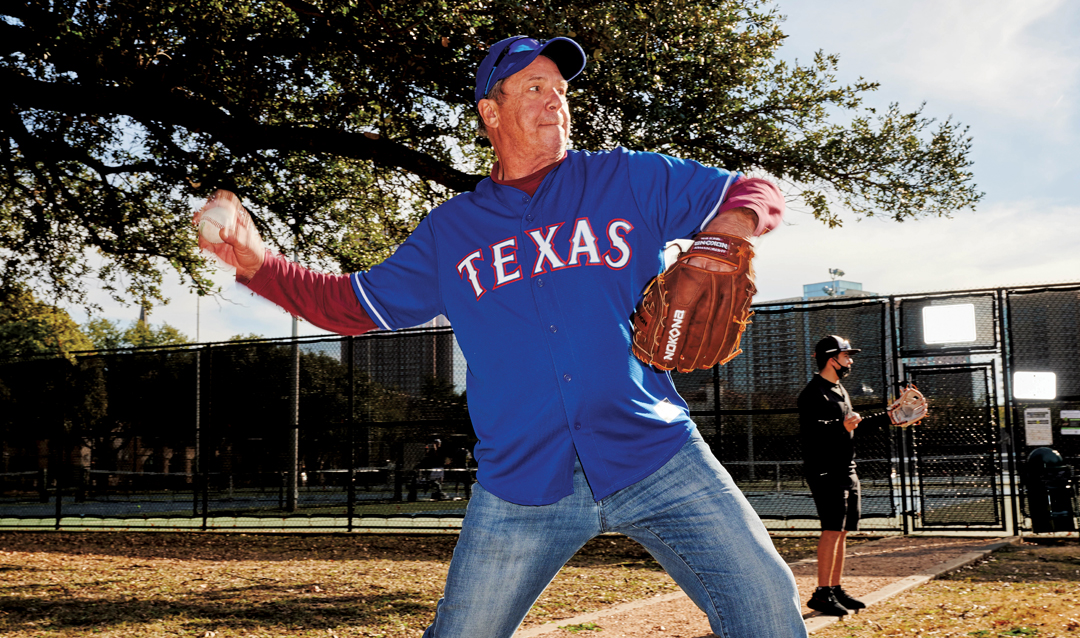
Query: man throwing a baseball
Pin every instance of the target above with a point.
(539, 271)
(827, 425)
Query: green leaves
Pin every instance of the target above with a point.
(341, 124)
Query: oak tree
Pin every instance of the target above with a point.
(342, 122)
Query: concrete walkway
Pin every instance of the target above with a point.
(873, 572)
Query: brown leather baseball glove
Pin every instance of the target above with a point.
(908, 408)
(690, 318)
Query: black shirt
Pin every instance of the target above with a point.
(828, 448)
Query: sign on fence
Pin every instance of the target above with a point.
(1037, 426)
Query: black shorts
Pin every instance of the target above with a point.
(839, 504)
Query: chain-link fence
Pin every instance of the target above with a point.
(1043, 337)
(373, 432)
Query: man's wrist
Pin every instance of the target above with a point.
(245, 275)
(740, 222)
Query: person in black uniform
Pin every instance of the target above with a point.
(827, 426)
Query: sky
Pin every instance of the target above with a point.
(1008, 69)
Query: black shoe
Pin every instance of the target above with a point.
(824, 602)
(847, 601)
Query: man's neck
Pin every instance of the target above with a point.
(517, 168)
(829, 375)
(528, 184)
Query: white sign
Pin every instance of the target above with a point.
(1037, 430)
(1070, 422)
(949, 324)
(1035, 385)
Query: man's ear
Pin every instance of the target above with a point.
(489, 112)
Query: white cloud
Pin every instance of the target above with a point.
(1002, 245)
(985, 52)
(1013, 58)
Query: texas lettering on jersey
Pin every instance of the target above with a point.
(584, 250)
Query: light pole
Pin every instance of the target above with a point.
(833, 273)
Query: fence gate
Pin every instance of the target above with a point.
(952, 470)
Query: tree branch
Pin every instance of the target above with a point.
(242, 136)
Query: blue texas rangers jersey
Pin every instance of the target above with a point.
(539, 291)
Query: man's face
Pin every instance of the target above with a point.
(844, 359)
(533, 118)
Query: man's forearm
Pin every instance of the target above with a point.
(753, 207)
(326, 301)
(740, 222)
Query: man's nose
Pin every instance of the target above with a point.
(554, 100)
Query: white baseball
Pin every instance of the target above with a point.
(212, 221)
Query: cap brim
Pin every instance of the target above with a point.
(566, 54)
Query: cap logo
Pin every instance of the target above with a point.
(514, 47)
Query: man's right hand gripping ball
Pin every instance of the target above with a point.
(240, 247)
(692, 318)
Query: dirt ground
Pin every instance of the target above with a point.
(869, 567)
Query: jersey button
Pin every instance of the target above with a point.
(540, 282)
(529, 217)
(554, 329)
(566, 376)
(524, 199)
(577, 426)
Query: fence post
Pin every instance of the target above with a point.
(292, 488)
(59, 499)
(351, 506)
(717, 443)
(198, 422)
(900, 433)
(399, 468)
(43, 485)
(1011, 446)
(205, 408)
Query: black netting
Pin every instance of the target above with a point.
(913, 328)
(956, 449)
(778, 348)
(757, 426)
(1044, 333)
(261, 429)
(340, 432)
(1044, 337)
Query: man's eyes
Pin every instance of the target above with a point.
(560, 90)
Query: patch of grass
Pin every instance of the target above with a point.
(585, 626)
(64, 585)
(1026, 590)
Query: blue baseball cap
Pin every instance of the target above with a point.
(507, 57)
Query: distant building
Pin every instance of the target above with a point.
(835, 288)
(406, 361)
(778, 346)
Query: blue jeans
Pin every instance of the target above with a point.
(688, 514)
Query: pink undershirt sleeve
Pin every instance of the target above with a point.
(326, 301)
(760, 196)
